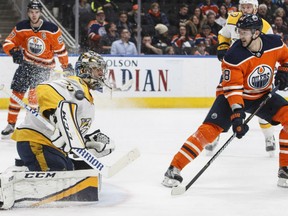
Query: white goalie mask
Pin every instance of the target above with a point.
(85, 68)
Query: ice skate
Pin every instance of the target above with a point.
(283, 177)
(6, 133)
(172, 177)
(270, 145)
(210, 147)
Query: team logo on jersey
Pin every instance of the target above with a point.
(36, 45)
(260, 77)
(85, 125)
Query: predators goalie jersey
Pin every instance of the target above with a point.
(228, 34)
(62, 89)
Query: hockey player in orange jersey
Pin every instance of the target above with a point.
(248, 73)
(32, 44)
(226, 37)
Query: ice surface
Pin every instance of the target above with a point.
(240, 182)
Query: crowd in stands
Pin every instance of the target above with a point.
(183, 27)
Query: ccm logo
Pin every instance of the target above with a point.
(40, 175)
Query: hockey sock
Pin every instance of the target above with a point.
(194, 145)
(14, 108)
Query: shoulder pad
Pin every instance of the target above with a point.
(48, 26)
(25, 24)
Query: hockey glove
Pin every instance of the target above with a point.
(99, 144)
(281, 77)
(68, 70)
(237, 120)
(17, 55)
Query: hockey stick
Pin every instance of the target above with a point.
(180, 189)
(84, 154)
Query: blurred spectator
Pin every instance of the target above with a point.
(279, 27)
(123, 21)
(271, 7)
(202, 18)
(169, 50)
(155, 16)
(107, 39)
(215, 27)
(210, 39)
(200, 47)
(85, 15)
(223, 15)
(180, 18)
(108, 6)
(96, 30)
(182, 42)
(1, 41)
(147, 48)
(281, 12)
(263, 13)
(193, 25)
(208, 6)
(162, 38)
(132, 15)
(123, 46)
(230, 6)
(285, 6)
(285, 39)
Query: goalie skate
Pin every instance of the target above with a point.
(172, 177)
(283, 177)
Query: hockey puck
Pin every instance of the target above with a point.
(79, 95)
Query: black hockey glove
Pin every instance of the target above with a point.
(17, 55)
(237, 120)
(281, 77)
(68, 70)
(221, 54)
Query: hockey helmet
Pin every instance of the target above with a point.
(253, 2)
(34, 4)
(250, 21)
(84, 66)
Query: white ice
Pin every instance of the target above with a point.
(240, 182)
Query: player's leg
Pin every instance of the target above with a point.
(39, 157)
(19, 86)
(268, 131)
(217, 120)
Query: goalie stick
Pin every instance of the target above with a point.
(84, 154)
(180, 189)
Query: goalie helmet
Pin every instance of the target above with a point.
(249, 21)
(34, 4)
(85, 68)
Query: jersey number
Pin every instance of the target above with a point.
(226, 75)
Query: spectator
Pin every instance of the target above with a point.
(263, 13)
(1, 46)
(202, 18)
(285, 7)
(280, 12)
(215, 27)
(123, 46)
(208, 6)
(109, 7)
(96, 30)
(32, 44)
(180, 18)
(162, 38)
(223, 15)
(147, 48)
(230, 6)
(169, 50)
(123, 21)
(107, 39)
(279, 27)
(285, 39)
(210, 39)
(132, 15)
(271, 7)
(182, 42)
(200, 47)
(194, 26)
(155, 16)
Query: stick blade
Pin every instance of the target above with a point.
(125, 160)
(180, 189)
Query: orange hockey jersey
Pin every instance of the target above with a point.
(39, 47)
(246, 76)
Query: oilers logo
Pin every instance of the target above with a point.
(36, 45)
(260, 77)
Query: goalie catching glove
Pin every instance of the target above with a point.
(99, 144)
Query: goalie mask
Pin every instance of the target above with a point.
(92, 68)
